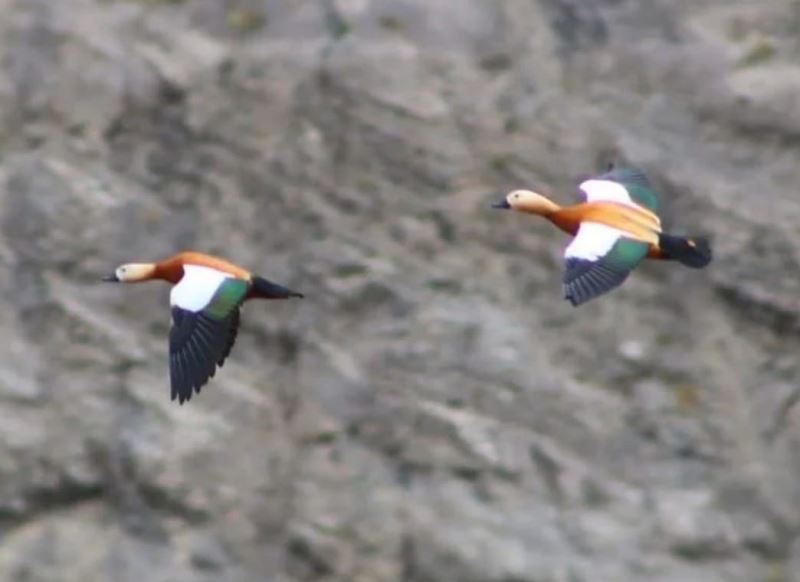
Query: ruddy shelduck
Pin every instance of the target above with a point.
(615, 229)
(205, 299)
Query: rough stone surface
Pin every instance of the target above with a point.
(432, 411)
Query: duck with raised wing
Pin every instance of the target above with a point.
(615, 229)
(205, 299)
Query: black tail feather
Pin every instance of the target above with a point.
(265, 289)
(694, 252)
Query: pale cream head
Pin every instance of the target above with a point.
(531, 202)
(133, 272)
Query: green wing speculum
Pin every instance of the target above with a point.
(626, 254)
(229, 296)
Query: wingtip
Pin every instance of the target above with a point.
(266, 289)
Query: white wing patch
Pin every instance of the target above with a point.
(196, 288)
(606, 191)
(593, 241)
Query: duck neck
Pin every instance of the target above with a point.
(169, 270)
(541, 207)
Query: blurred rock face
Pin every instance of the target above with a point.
(432, 410)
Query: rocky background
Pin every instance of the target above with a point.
(433, 411)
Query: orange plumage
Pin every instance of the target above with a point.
(205, 299)
(614, 230)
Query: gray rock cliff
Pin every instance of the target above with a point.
(433, 410)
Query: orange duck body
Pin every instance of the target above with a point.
(205, 299)
(615, 229)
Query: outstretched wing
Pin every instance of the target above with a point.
(622, 185)
(599, 259)
(197, 343)
(202, 337)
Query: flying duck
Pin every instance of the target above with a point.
(205, 299)
(615, 229)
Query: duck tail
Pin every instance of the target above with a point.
(694, 252)
(264, 289)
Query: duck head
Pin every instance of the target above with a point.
(132, 273)
(527, 201)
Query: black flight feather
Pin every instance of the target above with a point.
(197, 344)
(584, 279)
